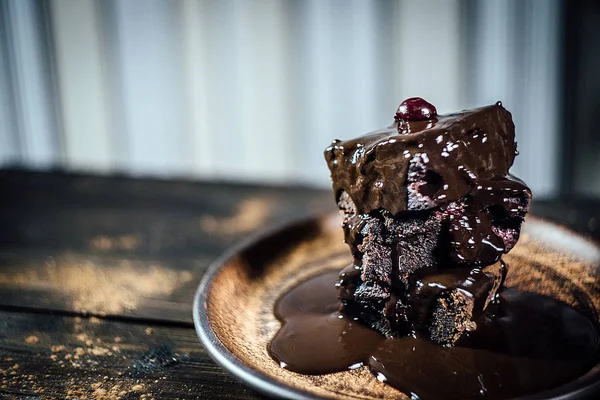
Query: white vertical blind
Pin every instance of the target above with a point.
(540, 109)
(516, 59)
(212, 29)
(83, 87)
(10, 151)
(31, 111)
(149, 60)
(256, 89)
(329, 111)
(195, 19)
(263, 90)
(428, 59)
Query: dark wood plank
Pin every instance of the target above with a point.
(106, 245)
(52, 356)
(87, 284)
(581, 215)
(142, 218)
(134, 250)
(118, 246)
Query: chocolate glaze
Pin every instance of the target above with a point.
(458, 150)
(475, 230)
(419, 298)
(486, 224)
(532, 344)
(425, 194)
(479, 285)
(472, 233)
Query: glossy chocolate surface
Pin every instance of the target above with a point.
(425, 286)
(532, 344)
(457, 150)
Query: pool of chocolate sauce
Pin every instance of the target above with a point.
(532, 343)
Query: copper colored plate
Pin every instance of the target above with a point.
(233, 308)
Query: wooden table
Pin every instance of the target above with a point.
(97, 276)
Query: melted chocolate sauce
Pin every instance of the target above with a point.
(461, 150)
(533, 343)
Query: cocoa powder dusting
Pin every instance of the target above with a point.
(107, 390)
(94, 287)
(534, 260)
(106, 243)
(250, 215)
(32, 339)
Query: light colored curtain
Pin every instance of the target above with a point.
(256, 89)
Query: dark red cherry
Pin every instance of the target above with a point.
(415, 109)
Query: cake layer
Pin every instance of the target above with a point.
(475, 230)
(428, 209)
(444, 303)
(486, 224)
(440, 304)
(401, 262)
(423, 164)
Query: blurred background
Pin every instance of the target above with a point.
(254, 90)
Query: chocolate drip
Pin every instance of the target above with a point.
(455, 151)
(428, 208)
(534, 343)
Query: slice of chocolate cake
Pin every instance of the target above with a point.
(427, 198)
(420, 164)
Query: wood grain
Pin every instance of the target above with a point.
(548, 260)
(133, 251)
(130, 249)
(50, 356)
(117, 246)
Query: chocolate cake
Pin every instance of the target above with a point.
(428, 208)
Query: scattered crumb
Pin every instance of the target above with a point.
(75, 393)
(124, 242)
(149, 331)
(96, 385)
(137, 388)
(82, 337)
(32, 339)
(57, 349)
(117, 339)
(95, 320)
(79, 351)
(99, 351)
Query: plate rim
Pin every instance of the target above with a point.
(265, 384)
(259, 381)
